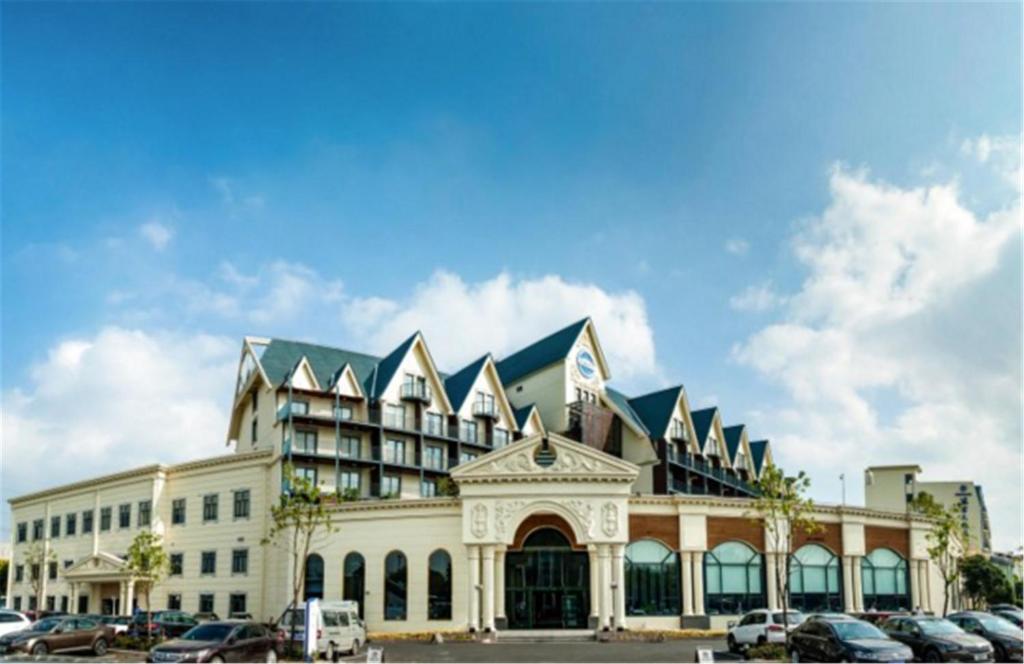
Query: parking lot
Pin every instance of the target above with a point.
(589, 651)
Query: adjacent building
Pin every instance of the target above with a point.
(520, 492)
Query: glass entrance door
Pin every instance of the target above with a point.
(547, 584)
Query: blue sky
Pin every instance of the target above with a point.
(669, 151)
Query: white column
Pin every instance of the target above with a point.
(773, 587)
(72, 604)
(499, 582)
(687, 583)
(915, 586)
(619, 580)
(96, 524)
(924, 590)
(848, 584)
(474, 591)
(129, 597)
(858, 591)
(595, 584)
(605, 583)
(488, 591)
(122, 590)
(698, 583)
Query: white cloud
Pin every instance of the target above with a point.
(119, 399)
(737, 246)
(903, 343)
(760, 297)
(1002, 152)
(158, 235)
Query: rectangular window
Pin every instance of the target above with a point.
(22, 532)
(307, 473)
(435, 424)
(240, 561)
(209, 563)
(299, 407)
(19, 573)
(34, 572)
(87, 521)
(433, 457)
(105, 519)
(37, 529)
(467, 431)
(305, 441)
(348, 447)
(343, 412)
(500, 438)
(394, 451)
(236, 604)
(348, 479)
(145, 513)
(255, 400)
(17, 604)
(68, 563)
(252, 433)
(32, 603)
(124, 516)
(428, 488)
(483, 403)
(177, 565)
(390, 486)
(51, 603)
(394, 416)
(51, 570)
(54, 526)
(174, 602)
(210, 507)
(466, 457)
(64, 603)
(241, 504)
(178, 512)
(206, 603)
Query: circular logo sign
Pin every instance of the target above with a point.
(585, 363)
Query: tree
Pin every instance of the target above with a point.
(984, 582)
(5, 569)
(945, 539)
(37, 558)
(299, 516)
(147, 562)
(784, 511)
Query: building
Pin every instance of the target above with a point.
(893, 487)
(577, 505)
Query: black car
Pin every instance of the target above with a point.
(162, 624)
(844, 639)
(938, 640)
(223, 641)
(1006, 638)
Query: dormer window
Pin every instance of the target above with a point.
(415, 388)
(483, 405)
(677, 430)
(711, 446)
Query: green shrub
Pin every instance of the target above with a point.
(769, 652)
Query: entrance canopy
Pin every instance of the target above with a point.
(99, 567)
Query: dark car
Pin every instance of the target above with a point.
(162, 624)
(1014, 617)
(938, 640)
(838, 638)
(1006, 638)
(223, 641)
(878, 618)
(57, 634)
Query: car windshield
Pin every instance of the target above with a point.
(850, 630)
(938, 627)
(1001, 625)
(45, 625)
(299, 615)
(792, 617)
(208, 633)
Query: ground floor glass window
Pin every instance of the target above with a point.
(652, 579)
(814, 580)
(314, 583)
(354, 587)
(395, 586)
(884, 579)
(439, 600)
(734, 579)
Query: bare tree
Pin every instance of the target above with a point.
(946, 539)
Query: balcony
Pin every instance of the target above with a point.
(485, 409)
(417, 392)
(708, 470)
(677, 432)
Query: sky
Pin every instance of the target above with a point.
(808, 214)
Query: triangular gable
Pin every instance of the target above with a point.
(618, 403)
(460, 385)
(602, 362)
(97, 563)
(759, 454)
(553, 348)
(706, 422)
(656, 409)
(528, 420)
(736, 442)
(302, 376)
(723, 450)
(346, 383)
(387, 369)
(572, 462)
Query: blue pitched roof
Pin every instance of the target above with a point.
(540, 354)
(702, 420)
(387, 367)
(459, 384)
(281, 356)
(621, 402)
(523, 414)
(655, 409)
(733, 435)
(758, 448)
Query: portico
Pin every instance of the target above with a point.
(101, 583)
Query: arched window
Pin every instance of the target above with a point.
(395, 586)
(884, 579)
(734, 579)
(814, 580)
(354, 580)
(652, 579)
(314, 586)
(439, 598)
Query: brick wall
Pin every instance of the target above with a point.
(664, 528)
(897, 539)
(831, 537)
(724, 529)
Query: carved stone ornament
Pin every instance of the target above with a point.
(585, 511)
(503, 513)
(610, 519)
(567, 461)
(478, 523)
(517, 463)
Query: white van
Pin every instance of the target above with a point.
(340, 628)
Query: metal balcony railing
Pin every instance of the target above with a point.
(415, 392)
(485, 409)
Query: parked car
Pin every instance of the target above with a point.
(13, 621)
(878, 618)
(839, 638)
(759, 627)
(118, 624)
(938, 640)
(163, 624)
(1005, 607)
(220, 641)
(340, 628)
(205, 616)
(1006, 638)
(57, 634)
(1016, 617)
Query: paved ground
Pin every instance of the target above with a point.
(121, 656)
(668, 651)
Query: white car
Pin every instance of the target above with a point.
(12, 621)
(761, 626)
(339, 628)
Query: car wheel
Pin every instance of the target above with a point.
(355, 647)
(932, 655)
(731, 643)
(218, 659)
(1000, 653)
(40, 649)
(761, 640)
(100, 647)
(271, 656)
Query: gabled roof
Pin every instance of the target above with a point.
(621, 402)
(655, 409)
(702, 421)
(387, 367)
(540, 354)
(522, 415)
(733, 437)
(281, 356)
(459, 384)
(758, 449)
